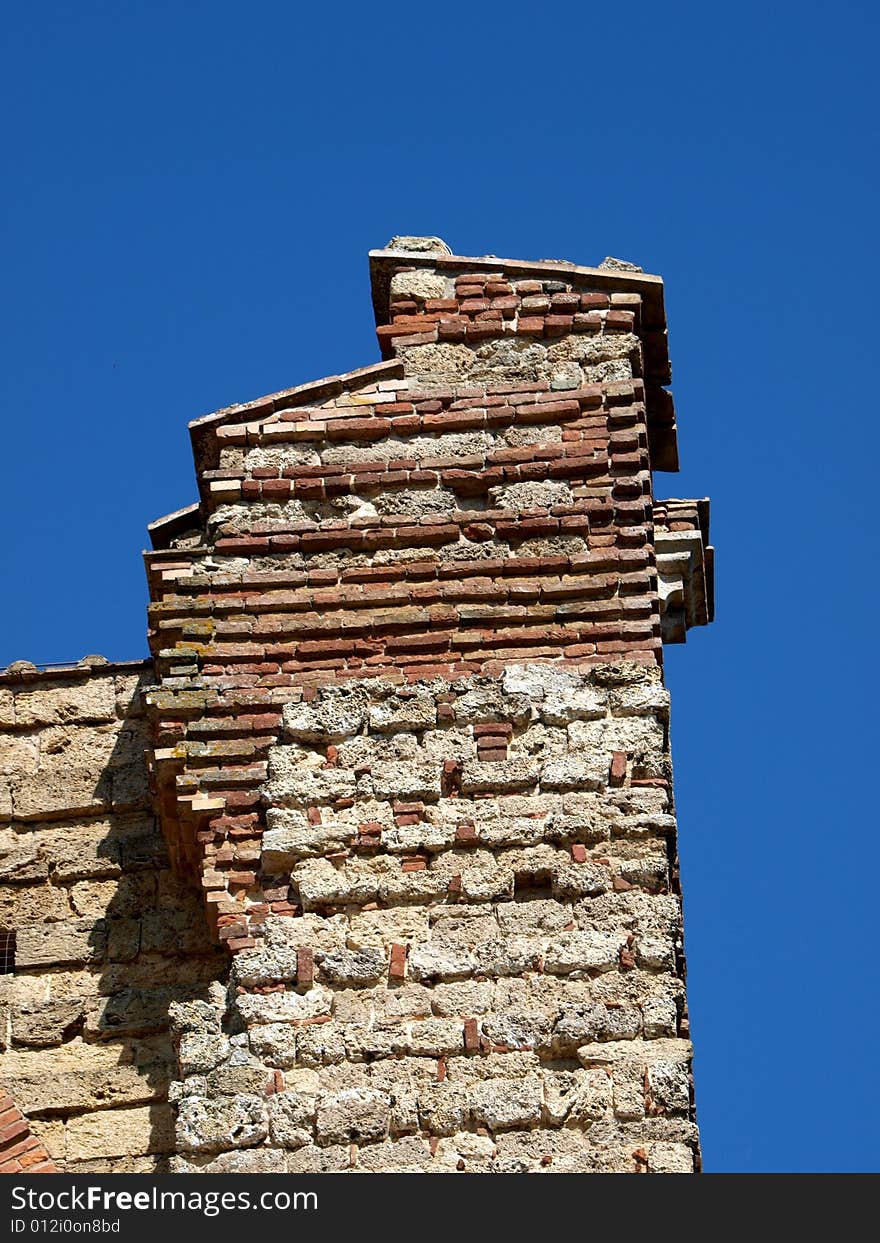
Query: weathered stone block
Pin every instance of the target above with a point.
(574, 772)
(34, 904)
(501, 1104)
(69, 941)
(290, 837)
(292, 1119)
(274, 1043)
(90, 699)
(207, 1125)
(285, 1007)
(396, 713)
(500, 777)
(130, 1012)
(49, 1023)
(200, 1051)
(338, 714)
(583, 951)
(412, 779)
(354, 967)
(356, 1115)
(668, 1086)
(443, 1108)
(120, 1132)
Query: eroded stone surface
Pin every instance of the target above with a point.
(406, 731)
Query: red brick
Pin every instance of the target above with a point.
(492, 754)
(13, 1130)
(397, 969)
(452, 329)
(499, 729)
(305, 967)
(276, 489)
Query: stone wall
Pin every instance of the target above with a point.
(411, 737)
(485, 967)
(106, 935)
(406, 738)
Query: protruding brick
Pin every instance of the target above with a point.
(617, 772)
(397, 968)
(305, 968)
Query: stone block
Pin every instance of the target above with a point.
(349, 968)
(74, 941)
(353, 1116)
(412, 779)
(501, 1104)
(443, 1108)
(129, 1012)
(33, 904)
(206, 1125)
(396, 714)
(49, 1023)
(19, 754)
(668, 1086)
(583, 951)
(666, 1158)
(120, 1132)
(285, 1007)
(338, 714)
(71, 1085)
(248, 1161)
(292, 1119)
(200, 1051)
(90, 699)
(289, 838)
(274, 1043)
(501, 776)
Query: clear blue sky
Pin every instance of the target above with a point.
(191, 190)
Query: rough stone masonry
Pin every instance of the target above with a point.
(372, 866)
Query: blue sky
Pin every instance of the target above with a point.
(191, 192)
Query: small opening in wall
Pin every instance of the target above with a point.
(7, 951)
(531, 885)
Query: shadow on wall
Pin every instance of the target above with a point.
(107, 935)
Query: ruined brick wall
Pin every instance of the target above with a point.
(411, 735)
(106, 935)
(407, 739)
